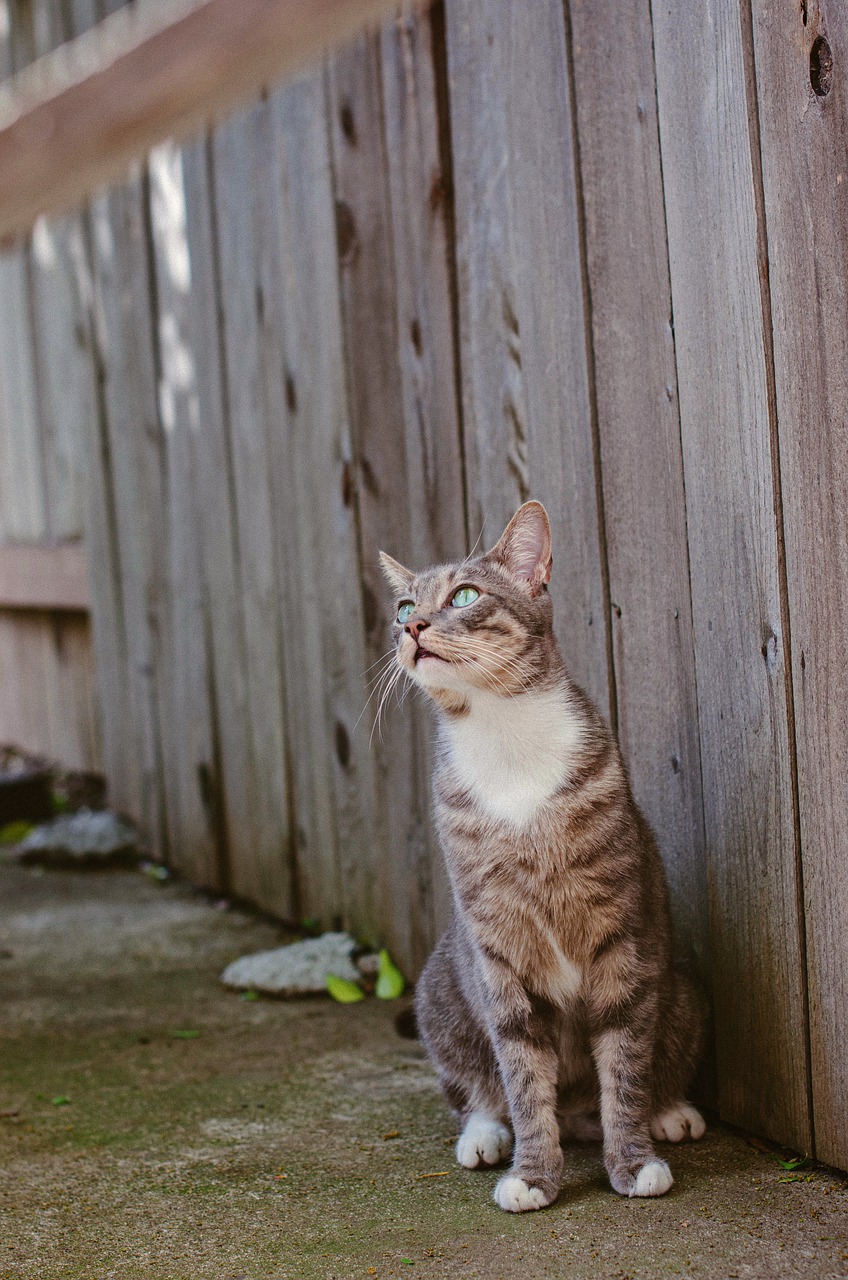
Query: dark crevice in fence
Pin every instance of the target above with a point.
(591, 372)
(438, 27)
(752, 102)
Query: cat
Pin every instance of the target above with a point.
(551, 1008)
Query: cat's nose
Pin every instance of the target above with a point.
(415, 627)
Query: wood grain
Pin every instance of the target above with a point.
(639, 432)
(40, 576)
(195, 837)
(50, 707)
(79, 117)
(805, 179)
(746, 756)
(526, 391)
(420, 184)
(240, 175)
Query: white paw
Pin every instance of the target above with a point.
(678, 1122)
(514, 1195)
(653, 1179)
(483, 1141)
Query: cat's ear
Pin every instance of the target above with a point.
(525, 547)
(399, 579)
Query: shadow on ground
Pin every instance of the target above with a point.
(168, 1130)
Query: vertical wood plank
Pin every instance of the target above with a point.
(639, 431)
(61, 357)
(312, 454)
(710, 201)
(234, 797)
(526, 392)
(803, 118)
(420, 177)
(23, 513)
(193, 815)
(239, 184)
(378, 419)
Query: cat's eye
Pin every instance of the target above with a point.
(405, 611)
(464, 596)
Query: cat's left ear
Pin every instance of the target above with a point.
(525, 547)
(399, 579)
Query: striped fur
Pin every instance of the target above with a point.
(552, 1001)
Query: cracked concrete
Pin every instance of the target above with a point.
(298, 1140)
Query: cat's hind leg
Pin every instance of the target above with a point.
(677, 1122)
(679, 1040)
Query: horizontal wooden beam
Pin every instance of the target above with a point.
(78, 117)
(41, 576)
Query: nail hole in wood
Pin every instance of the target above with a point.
(415, 336)
(821, 67)
(291, 394)
(348, 123)
(342, 745)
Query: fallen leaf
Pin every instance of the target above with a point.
(249, 995)
(343, 991)
(393, 1133)
(185, 1035)
(390, 981)
(61, 1101)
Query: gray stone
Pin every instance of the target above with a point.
(369, 964)
(299, 969)
(80, 839)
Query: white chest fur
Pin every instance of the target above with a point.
(513, 754)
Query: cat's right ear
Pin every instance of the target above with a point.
(399, 579)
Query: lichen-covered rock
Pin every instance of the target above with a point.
(86, 838)
(299, 969)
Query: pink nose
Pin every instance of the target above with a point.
(415, 628)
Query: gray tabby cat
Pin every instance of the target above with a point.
(551, 1002)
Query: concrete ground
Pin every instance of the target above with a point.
(298, 1140)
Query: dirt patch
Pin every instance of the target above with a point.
(301, 1140)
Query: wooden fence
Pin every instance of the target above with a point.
(592, 253)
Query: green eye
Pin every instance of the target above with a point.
(465, 596)
(405, 611)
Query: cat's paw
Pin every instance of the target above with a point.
(678, 1122)
(483, 1142)
(516, 1196)
(653, 1179)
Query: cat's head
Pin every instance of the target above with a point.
(484, 623)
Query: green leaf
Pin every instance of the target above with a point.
(61, 1101)
(343, 991)
(796, 1162)
(14, 832)
(390, 983)
(249, 995)
(408, 1262)
(185, 1035)
(59, 803)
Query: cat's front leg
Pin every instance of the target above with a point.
(528, 1065)
(623, 1054)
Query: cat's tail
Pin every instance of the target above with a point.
(406, 1024)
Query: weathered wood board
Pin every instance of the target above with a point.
(49, 706)
(722, 365)
(640, 451)
(526, 388)
(238, 180)
(417, 141)
(803, 118)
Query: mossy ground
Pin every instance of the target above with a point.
(298, 1140)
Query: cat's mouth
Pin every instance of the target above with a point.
(422, 653)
